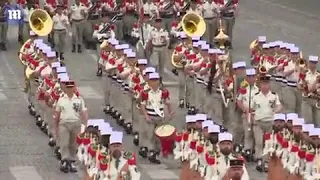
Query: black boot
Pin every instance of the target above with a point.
(99, 72)
(38, 120)
(52, 142)
(61, 56)
(120, 122)
(181, 103)
(79, 48)
(175, 72)
(128, 128)
(57, 152)
(43, 126)
(136, 138)
(73, 48)
(107, 109)
(248, 154)
(153, 158)
(64, 166)
(57, 55)
(72, 166)
(3, 47)
(260, 166)
(143, 152)
(187, 105)
(20, 39)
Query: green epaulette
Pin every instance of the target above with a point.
(127, 155)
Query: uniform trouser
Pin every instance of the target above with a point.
(292, 99)
(78, 28)
(68, 132)
(3, 32)
(217, 110)
(128, 21)
(200, 96)
(229, 22)
(211, 29)
(59, 37)
(49, 116)
(20, 29)
(310, 112)
(119, 29)
(42, 110)
(182, 85)
(88, 29)
(32, 93)
(190, 90)
(128, 106)
(98, 52)
(159, 58)
(259, 129)
(25, 31)
(107, 88)
(147, 135)
(141, 52)
(248, 135)
(233, 122)
(115, 93)
(136, 116)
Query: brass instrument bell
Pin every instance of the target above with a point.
(262, 70)
(193, 24)
(221, 38)
(301, 63)
(21, 53)
(40, 22)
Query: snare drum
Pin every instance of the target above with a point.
(166, 134)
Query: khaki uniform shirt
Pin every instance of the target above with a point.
(264, 105)
(70, 109)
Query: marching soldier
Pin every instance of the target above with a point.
(129, 18)
(70, 110)
(116, 9)
(224, 167)
(310, 80)
(3, 25)
(265, 104)
(167, 12)
(22, 4)
(209, 11)
(194, 7)
(60, 26)
(159, 41)
(152, 106)
(50, 6)
(94, 12)
(245, 104)
(78, 14)
(26, 12)
(151, 9)
(227, 12)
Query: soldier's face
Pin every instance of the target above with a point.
(199, 124)
(157, 24)
(312, 65)
(251, 79)
(213, 138)
(154, 84)
(265, 86)
(116, 150)
(225, 147)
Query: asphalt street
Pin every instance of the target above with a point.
(23, 149)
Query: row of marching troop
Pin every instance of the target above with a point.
(61, 113)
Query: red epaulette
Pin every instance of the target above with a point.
(165, 94)
(144, 95)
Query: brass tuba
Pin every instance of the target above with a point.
(40, 22)
(177, 60)
(193, 24)
(22, 53)
(221, 38)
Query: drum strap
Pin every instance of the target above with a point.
(156, 107)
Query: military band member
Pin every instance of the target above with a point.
(159, 41)
(22, 4)
(167, 11)
(94, 12)
(60, 27)
(130, 17)
(224, 168)
(152, 106)
(245, 104)
(265, 104)
(195, 7)
(209, 11)
(78, 14)
(308, 109)
(227, 12)
(116, 9)
(69, 112)
(26, 12)
(151, 9)
(50, 6)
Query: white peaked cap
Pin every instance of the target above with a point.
(283, 45)
(202, 42)
(235, 65)
(154, 76)
(225, 136)
(183, 35)
(125, 46)
(190, 119)
(111, 39)
(212, 51)
(242, 64)
(195, 38)
(95, 122)
(131, 55)
(272, 44)
(51, 54)
(149, 70)
(292, 116)
(262, 39)
(142, 61)
(265, 46)
(314, 132)
(55, 64)
(214, 129)
(314, 58)
(294, 50)
(114, 42)
(279, 117)
(38, 41)
(31, 33)
(201, 117)
(205, 46)
(64, 77)
(105, 129)
(128, 50)
(61, 69)
(298, 122)
(219, 51)
(118, 47)
(39, 45)
(45, 48)
(206, 124)
(250, 72)
(307, 127)
(195, 44)
(116, 137)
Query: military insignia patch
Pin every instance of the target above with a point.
(272, 104)
(76, 107)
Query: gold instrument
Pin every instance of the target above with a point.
(29, 72)
(301, 63)
(193, 24)
(177, 60)
(253, 44)
(40, 22)
(22, 53)
(221, 38)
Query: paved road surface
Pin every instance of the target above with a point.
(23, 148)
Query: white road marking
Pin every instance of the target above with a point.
(25, 173)
(158, 172)
(89, 93)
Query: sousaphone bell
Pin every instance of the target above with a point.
(193, 24)
(40, 22)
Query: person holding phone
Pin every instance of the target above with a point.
(230, 166)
